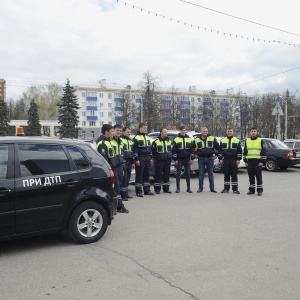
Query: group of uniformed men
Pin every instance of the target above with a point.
(124, 154)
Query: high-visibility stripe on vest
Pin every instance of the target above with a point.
(234, 142)
(163, 145)
(253, 148)
(110, 149)
(208, 142)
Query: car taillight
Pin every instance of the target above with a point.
(112, 178)
(290, 154)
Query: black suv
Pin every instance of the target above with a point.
(47, 185)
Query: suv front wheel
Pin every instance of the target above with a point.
(88, 222)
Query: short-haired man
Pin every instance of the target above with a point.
(254, 157)
(111, 150)
(161, 150)
(206, 150)
(182, 153)
(230, 154)
(142, 153)
(129, 162)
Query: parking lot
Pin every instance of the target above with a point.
(173, 246)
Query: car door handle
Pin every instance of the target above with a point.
(4, 191)
(71, 182)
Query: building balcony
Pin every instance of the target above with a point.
(92, 118)
(119, 108)
(119, 118)
(121, 100)
(91, 108)
(185, 110)
(91, 98)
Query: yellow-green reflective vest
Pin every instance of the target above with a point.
(253, 148)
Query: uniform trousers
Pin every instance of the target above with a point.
(142, 174)
(230, 169)
(255, 171)
(162, 175)
(118, 172)
(187, 168)
(126, 178)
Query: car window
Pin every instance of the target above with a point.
(279, 144)
(42, 159)
(297, 145)
(3, 161)
(78, 158)
(290, 144)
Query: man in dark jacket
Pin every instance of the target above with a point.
(230, 154)
(182, 153)
(111, 150)
(206, 150)
(254, 157)
(142, 154)
(161, 151)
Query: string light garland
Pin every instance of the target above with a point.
(242, 19)
(264, 78)
(171, 19)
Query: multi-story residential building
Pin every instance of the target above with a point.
(2, 89)
(192, 108)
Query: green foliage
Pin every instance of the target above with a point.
(4, 119)
(46, 97)
(34, 127)
(68, 112)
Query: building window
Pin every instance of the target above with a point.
(83, 94)
(83, 104)
(101, 114)
(192, 99)
(100, 104)
(92, 112)
(92, 134)
(109, 105)
(109, 96)
(83, 123)
(92, 123)
(83, 114)
(117, 95)
(101, 123)
(110, 122)
(110, 114)
(91, 94)
(132, 97)
(100, 95)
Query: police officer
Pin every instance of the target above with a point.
(206, 150)
(230, 154)
(142, 154)
(111, 150)
(254, 157)
(182, 153)
(129, 162)
(161, 150)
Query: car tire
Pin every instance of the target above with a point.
(88, 222)
(271, 165)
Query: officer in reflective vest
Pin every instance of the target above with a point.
(161, 151)
(182, 153)
(142, 154)
(230, 154)
(111, 150)
(206, 150)
(129, 162)
(254, 157)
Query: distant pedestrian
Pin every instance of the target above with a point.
(129, 162)
(254, 157)
(142, 154)
(206, 150)
(182, 153)
(162, 155)
(230, 154)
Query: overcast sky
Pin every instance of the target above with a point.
(46, 41)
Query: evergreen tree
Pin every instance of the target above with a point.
(4, 119)
(67, 112)
(34, 127)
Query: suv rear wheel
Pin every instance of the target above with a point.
(88, 222)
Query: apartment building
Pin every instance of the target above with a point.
(100, 105)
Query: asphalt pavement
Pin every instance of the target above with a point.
(173, 246)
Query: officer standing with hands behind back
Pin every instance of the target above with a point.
(230, 154)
